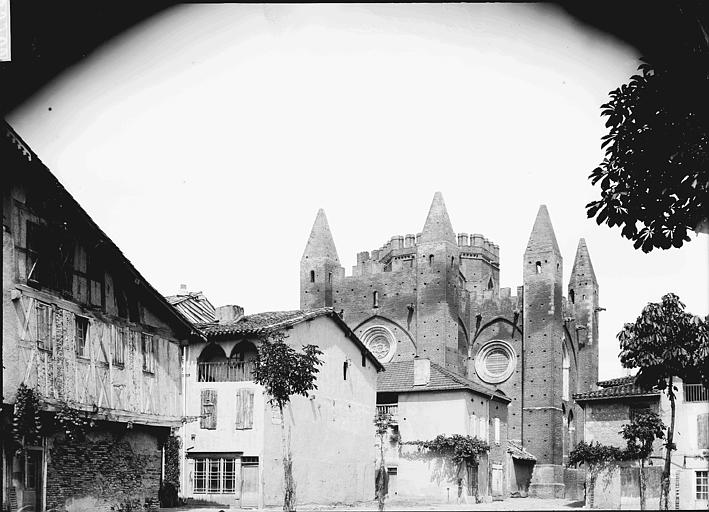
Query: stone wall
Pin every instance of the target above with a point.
(111, 467)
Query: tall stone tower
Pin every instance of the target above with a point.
(583, 296)
(436, 287)
(318, 266)
(542, 358)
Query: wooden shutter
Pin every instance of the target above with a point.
(703, 431)
(244, 409)
(208, 419)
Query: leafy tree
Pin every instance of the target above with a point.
(639, 435)
(456, 452)
(284, 372)
(26, 421)
(654, 178)
(665, 342)
(382, 423)
(597, 457)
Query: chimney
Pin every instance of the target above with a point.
(183, 290)
(228, 314)
(422, 371)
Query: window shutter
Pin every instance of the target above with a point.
(239, 410)
(703, 431)
(249, 412)
(209, 409)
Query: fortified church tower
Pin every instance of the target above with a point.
(436, 295)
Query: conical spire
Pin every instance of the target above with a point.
(583, 268)
(542, 238)
(438, 225)
(320, 243)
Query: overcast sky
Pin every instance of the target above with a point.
(204, 140)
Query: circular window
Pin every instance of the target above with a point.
(495, 362)
(380, 342)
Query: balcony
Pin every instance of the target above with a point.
(390, 409)
(695, 393)
(225, 371)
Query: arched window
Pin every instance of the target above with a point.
(375, 299)
(344, 370)
(312, 276)
(572, 430)
(565, 372)
(490, 284)
(539, 267)
(572, 296)
(244, 351)
(430, 259)
(211, 364)
(452, 261)
(329, 277)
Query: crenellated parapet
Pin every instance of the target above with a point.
(476, 245)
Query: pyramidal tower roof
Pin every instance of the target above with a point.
(542, 238)
(320, 243)
(438, 225)
(582, 263)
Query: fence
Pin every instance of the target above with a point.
(225, 371)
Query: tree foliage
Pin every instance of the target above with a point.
(654, 178)
(665, 341)
(26, 421)
(283, 371)
(595, 455)
(641, 433)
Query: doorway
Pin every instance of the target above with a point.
(33, 484)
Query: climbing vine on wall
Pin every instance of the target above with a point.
(172, 460)
(72, 423)
(26, 424)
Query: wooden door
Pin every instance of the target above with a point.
(32, 494)
(497, 480)
(249, 486)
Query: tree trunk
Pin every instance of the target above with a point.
(380, 480)
(665, 490)
(289, 484)
(591, 488)
(642, 484)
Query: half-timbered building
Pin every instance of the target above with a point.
(89, 344)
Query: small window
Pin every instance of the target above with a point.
(497, 430)
(703, 485)
(572, 296)
(490, 284)
(119, 345)
(148, 346)
(364, 360)
(81, 326)
(44, 325)
(483, 429)
(244, 409)
(329, 277)
(375, 299)
(452, 261)
(539, 267)
(312, 276)
(344, 370)
(430, 259)
(208, 416)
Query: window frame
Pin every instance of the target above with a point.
(84, 353)
(701, 484)
(149, 359)
(118, 356)
(223, 475)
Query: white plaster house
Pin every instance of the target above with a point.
(232, 451)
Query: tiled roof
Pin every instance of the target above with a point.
(263, 323)
(517, 451)
(399, 378)
(622, 387)
(617, 381)
(194, 306)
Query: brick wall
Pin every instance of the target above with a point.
(111, 467)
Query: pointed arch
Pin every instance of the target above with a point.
(244, 351)
(389, 320)
(495, 320)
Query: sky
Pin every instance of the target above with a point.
(204, 140)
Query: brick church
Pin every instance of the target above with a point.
(436, 295)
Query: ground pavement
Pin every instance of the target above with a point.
(399, 504)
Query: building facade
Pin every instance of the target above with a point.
(232, 439)
(88, 337)
(614, 405)
(436, 295)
